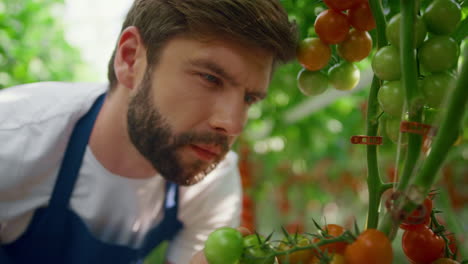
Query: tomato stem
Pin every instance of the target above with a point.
(373, 179)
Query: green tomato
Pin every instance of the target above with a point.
(439, 53)
(344, 76)
(392, 130)
(224, 246)
(442, 16)
(386, 63)
(256, 251)
(437, 86)
(391, 98)
(312, 82)
(393, 31)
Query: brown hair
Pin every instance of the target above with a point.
(262, 23)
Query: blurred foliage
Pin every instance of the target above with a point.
(32, 43)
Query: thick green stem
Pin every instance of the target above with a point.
(373, 179)
(409, 81)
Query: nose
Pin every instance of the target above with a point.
(229, 115)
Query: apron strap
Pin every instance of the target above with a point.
(73, 157)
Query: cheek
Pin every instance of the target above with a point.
(183, 103)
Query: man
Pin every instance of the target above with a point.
(103, 173)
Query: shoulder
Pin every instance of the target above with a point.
(38, 102)
(36, 121)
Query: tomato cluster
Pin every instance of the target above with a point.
(344, 24)
(437, 55)
(226, 245)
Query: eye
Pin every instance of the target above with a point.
(250, 99)
(210, 78)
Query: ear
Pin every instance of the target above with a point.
(130, 58)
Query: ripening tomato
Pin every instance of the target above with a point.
(370, 247)
(312, 82)
(256, 251)
(341, 5)
(297, 257)
(391, 97)
(442, 16)
(393, 31)
(422, 245)
(439, 53)
(331, 26)
(334, 259)
(421, 216)
(313, 54)
(224, 246)
(344, 76)
(361, 18)
(437, 86)
(386, 63)
(356, 47)
(331, 231)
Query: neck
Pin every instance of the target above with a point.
(111, 144)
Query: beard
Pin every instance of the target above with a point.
(152, 136)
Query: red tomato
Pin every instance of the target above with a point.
(370, 247)
(361, 18)
(422, 245)
(331, 231)
(421, 216)
(341, 5)
(356, 47)
(313, 54)
(331, 26)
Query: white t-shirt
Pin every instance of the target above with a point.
(36, 121)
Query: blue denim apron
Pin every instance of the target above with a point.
(56, 234)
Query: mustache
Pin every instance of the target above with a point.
(203, 138)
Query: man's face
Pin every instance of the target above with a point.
(189, 109)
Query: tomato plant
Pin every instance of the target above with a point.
(386, 63)
(370, 247)
(442, 16)
(224, 246)
(256, 251)
(393, 31)
(331, 26)
(356, 47)
(391, 98)
(331, 231)
(439, 53)
(361, 18)
(422, 245)
(421, 216)
(344, 76)
(296, 257)
(437, 86)
(312, 82)
(313, 54)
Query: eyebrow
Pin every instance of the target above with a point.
(217, 69)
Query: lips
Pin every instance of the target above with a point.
(206, 152)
